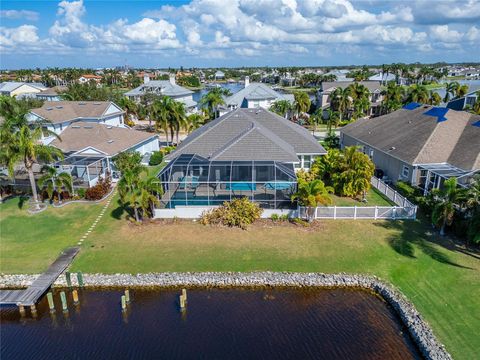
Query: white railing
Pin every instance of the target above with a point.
(403, 209)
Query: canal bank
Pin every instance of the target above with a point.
(419, 330)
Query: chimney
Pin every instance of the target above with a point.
(146, 78)
(247, 81)
(172, 79)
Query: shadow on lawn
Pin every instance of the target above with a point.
(414, 233)
(118, 212)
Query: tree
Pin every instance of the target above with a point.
(193, 122)
(476, 106)
(333, 120)
(450, 90)
(311, 194)
(55, 182)
(211, 101)
(419, 94)
(446, 200)
(130, 108)
(360, 96)
(282, 108)
(178, 118)
(302, 102)
(435, 98)
(24, 145)
(393, 97)
(341, 101)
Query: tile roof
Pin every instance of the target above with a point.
(256, 91)
(61, 111)
(415, 137)
(161, 87)
(108, 139)
(250, 134)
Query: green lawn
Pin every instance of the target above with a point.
(440, 278)
(374, 198)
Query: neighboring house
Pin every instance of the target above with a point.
(255, 95)
(58, 115)
(163, 88)
(465, 102)
(420, 144)
(89, 148)
(340, 75)
(50, 94)
(219, 75)
(383, 78)
(246, 152)
(327, 88)
(89, 77)
(20, 89)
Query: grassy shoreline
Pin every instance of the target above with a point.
(441, 279)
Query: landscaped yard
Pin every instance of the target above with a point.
(374, 198)
(441, 279)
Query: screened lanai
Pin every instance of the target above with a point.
(85, 170)
(191, 180)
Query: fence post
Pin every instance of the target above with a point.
(395, 197)
(376, 212)
(394, 212)
(355, 212)
(316, 212)
(335, 212)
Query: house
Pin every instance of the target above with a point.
(50, 94)
(219, 75)
(374, 87)
(420, 144)
(89, 78)
(255, 95)
(163, 88)
(246, 152)
(58, 115)
(340, 75)
(467, 101)
(383, 78)
(90, 146)
(20, 89)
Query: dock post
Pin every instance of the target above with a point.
(124, 304)
(182, 303)
(184, 294)
(51, 304)
(64, 301)
(33, 309)
(127, 296)
(69, 279)
(80, 279)
(21, 308)
(75, 297)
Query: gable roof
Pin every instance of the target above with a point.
(61, 111)
(329, 86)
(9, 86)
(160, 87)
(249, 134)
(255, 91)
(415, 137)
(109, 140)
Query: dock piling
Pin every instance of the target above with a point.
(182, 303)
(33, 309)
(21, 308)
(68, 277)
(127, 296)
(80, 279)
(63, 297)
(51, 304)
(75, 297)
(124, 304)
(184, 294)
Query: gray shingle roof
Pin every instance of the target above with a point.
(160, 87)
(9, 86)
(255, 91)
(417, 138)
(249, 134)
(330, 86)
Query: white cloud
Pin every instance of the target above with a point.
(19, 14)
(443, 34)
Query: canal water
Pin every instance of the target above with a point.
(217, 324)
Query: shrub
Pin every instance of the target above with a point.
(81, 193)
(156, 158)
(283, 217)
(98, 191)
(275, 217)
(406, 190)
(239, 213)
(167, 150)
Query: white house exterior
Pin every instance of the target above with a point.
(19, 89)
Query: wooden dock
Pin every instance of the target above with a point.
(30, 295)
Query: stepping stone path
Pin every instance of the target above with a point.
(99, 217)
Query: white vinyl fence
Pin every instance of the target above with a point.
(404, 209)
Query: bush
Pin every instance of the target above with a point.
(98, 191)
(239, 213)
(156, 158)
(167, 150)
(406, 190)
(81, 193)
(275, 217)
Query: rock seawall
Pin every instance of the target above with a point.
(419, 330)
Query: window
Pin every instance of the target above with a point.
(370, 154)
(307, 159)
(405, 171)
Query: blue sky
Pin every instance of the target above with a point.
(204, 33)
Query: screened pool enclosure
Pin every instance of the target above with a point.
(191, 180)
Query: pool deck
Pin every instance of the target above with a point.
(30, 296)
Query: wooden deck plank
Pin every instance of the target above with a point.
(34, 292)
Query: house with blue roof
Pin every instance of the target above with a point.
(420, 144)
(20, 89)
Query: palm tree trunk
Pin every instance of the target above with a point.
(135, 211)
(34, 187)
(442, 229)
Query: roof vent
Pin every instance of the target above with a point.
(82, 103)
(49, 108)
(59, 107)
(109, 127)
(97, 103)
(88, 127)
(75, 127)
(110, 141)
(392, 148)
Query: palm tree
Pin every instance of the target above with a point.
(447, 199)
(435, 98)
(419, 94)
(178, 118)
(194, 121)
(302, 102)
(211, 101)
(361, 98)
(160, 110)
(333, 120)
(130, 108)
(311, 194)
(55, 182)
(393, 97)
(450, 89)
(281, 107)
(149, 191)
(476, 106)
(341, 101)
(24, 145)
